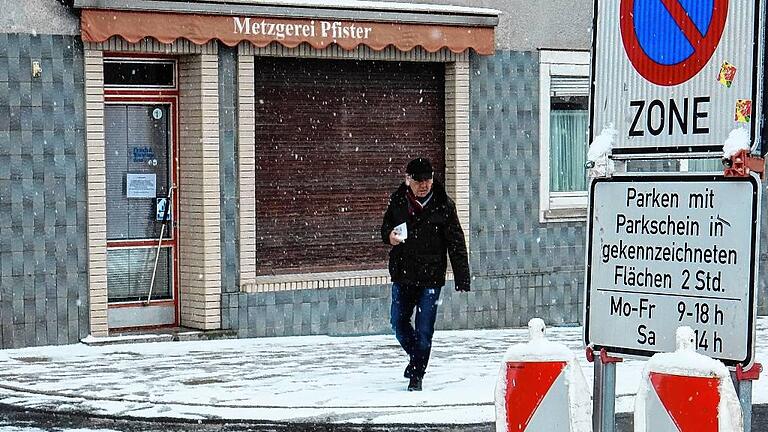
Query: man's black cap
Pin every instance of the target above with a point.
(419, 169)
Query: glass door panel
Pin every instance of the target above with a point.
(138, 155)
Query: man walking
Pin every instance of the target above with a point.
(422, 225)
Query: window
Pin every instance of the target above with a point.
(149, 73)
(332, 139)
(563, 134)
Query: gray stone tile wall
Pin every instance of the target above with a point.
(43, 255)
(230, 280)
(339, 311)
(522, 268)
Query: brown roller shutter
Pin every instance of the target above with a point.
(332, 140)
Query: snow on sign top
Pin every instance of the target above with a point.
(676, 76)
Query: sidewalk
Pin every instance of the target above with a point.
(317, 379)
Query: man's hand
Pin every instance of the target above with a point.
(394, 239)
(462, 288)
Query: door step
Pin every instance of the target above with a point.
(175, 334)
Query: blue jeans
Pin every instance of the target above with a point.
(417, 342)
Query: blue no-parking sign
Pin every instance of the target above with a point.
(676, 76)
(668, 42)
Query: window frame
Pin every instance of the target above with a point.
(148, 60)
(557, 206)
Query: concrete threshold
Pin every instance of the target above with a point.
(174, 334)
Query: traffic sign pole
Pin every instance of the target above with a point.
(744, 390)
(740, 166)
(742, 381)
(604, 401)
(604, 394)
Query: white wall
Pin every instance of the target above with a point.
(528, 25)
(38, 17)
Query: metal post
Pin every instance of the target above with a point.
(742, 382)
(604, 396)
(744, 391)
(745, 398)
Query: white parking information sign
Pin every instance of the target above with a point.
(668, 251)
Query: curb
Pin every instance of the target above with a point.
(40, 407)
(52, 414)
(12, 414)
(15, 415)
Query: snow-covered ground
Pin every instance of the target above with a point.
(318, 378)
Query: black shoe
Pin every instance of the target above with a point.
(408, 373)
(414, 384)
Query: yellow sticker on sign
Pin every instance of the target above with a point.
(743, 110)
(727, 74)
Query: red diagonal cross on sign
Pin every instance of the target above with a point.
(704, 45)
(685, 22)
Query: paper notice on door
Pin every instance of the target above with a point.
(401, 231)
(140, 185)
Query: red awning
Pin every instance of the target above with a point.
(100, 25)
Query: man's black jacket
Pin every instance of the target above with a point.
(420, 260)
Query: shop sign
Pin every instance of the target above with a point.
(279, 30)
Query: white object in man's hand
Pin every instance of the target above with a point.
(398, 234)
(401, 231)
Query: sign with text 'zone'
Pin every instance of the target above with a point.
(671, 251)
(676, 76)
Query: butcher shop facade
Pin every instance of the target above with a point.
(238, 164)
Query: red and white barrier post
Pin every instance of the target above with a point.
(685, 391)
(541, 388)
